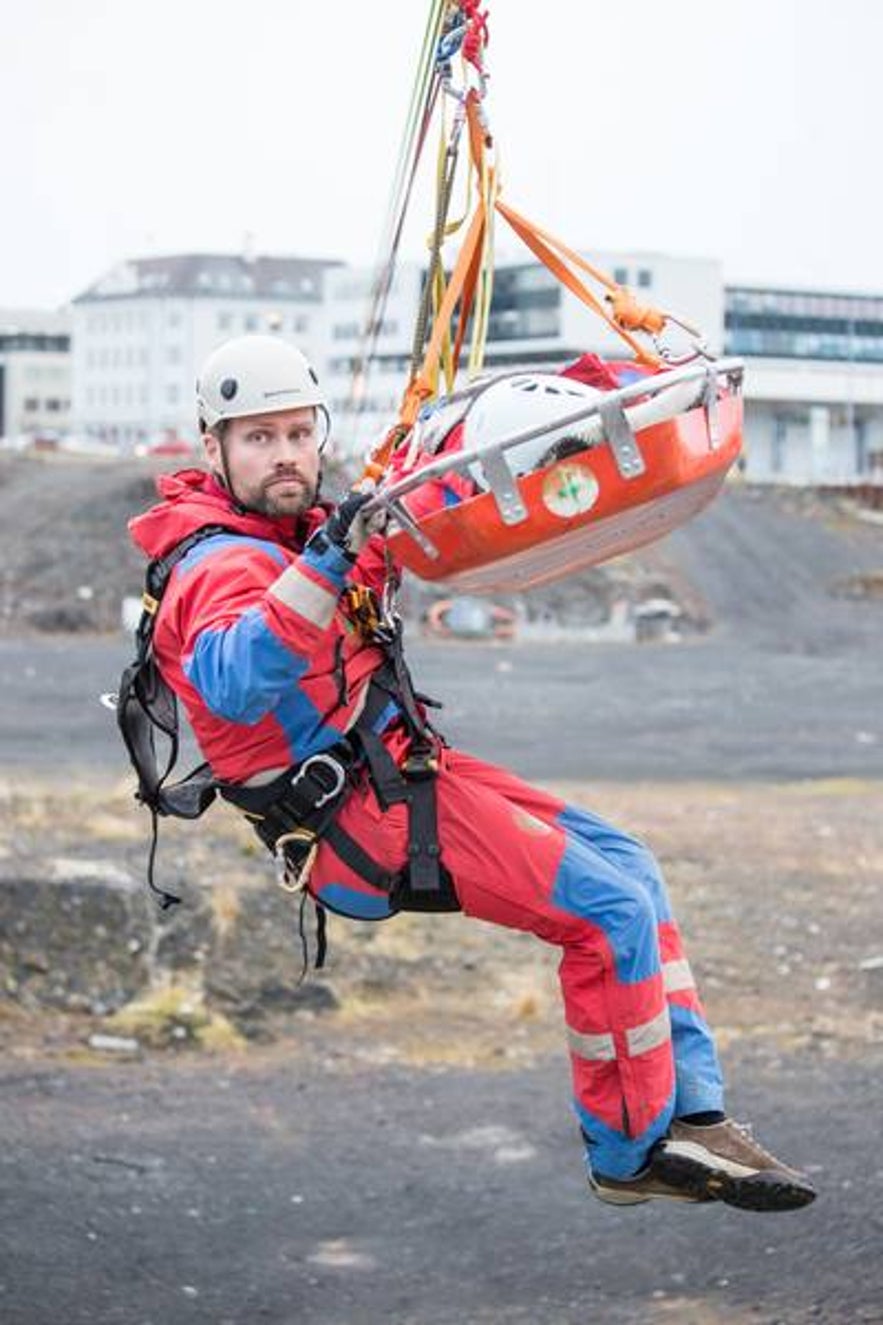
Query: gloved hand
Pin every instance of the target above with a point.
(347, 528)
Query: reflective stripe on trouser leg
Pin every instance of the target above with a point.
(697, 1066)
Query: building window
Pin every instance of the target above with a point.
(645, 278)
(780, 436)
(32, 404)
(251, 322)
(53, 405)
(621, 275)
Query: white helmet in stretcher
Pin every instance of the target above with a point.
(520, 403)
(255, 375)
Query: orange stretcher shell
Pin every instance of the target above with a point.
(582, 510)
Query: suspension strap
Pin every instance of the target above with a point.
(625, 307)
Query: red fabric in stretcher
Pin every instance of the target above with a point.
(593, 371)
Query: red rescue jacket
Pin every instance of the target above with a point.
(252, 635)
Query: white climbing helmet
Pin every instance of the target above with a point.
(255, 375)
(523, 401)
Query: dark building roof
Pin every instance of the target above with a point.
(212, 275)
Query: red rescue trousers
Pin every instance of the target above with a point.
(640, 1047)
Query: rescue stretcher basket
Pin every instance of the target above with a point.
(655, 453)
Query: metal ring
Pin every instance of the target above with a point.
(336, 768)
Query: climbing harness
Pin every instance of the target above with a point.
(297, 810)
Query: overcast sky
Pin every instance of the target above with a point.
(745, 130)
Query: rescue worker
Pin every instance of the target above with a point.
(299, 703)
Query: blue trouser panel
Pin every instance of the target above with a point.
(698, 1075)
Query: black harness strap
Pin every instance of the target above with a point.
(349, 851)
(294, 811)
(146, 705)
(300, 807)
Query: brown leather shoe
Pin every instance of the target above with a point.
(723, 1162)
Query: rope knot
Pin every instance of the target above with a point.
(632, 316)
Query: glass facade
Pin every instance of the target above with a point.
(525, 305)
(34, 340)
(798, 324)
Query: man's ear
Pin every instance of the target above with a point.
(212, 447)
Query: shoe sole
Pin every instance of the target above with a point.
(748, 1189)
(615, 1196)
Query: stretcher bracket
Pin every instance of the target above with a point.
(712, 412)
(621, 437)
(503, 485)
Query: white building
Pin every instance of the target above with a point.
(141, 332)
(813, 383)
(35, 373)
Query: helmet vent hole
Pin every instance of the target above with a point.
(229, 387)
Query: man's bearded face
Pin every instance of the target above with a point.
(272, 460)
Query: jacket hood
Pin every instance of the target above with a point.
(193, 498)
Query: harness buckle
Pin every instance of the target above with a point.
(149, 603)
(289, 879)
(420, 766)
(324, 761)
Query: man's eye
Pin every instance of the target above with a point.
(259, 438)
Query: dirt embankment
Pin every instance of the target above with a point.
(66, 557)
(67, 561)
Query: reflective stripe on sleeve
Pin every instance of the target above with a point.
(677, 975)
(649, 1035)
(304, 596)
(599, 1048)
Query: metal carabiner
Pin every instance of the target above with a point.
(337, 770)
(288, 882)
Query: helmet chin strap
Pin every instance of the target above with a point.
(239, 507)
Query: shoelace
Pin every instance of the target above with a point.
(747, 1131)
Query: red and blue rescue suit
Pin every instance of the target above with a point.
(255, 638)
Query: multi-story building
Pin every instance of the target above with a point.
(35, 373)
(142, 330)
(814, 382)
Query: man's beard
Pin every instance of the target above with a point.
(273, 499)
